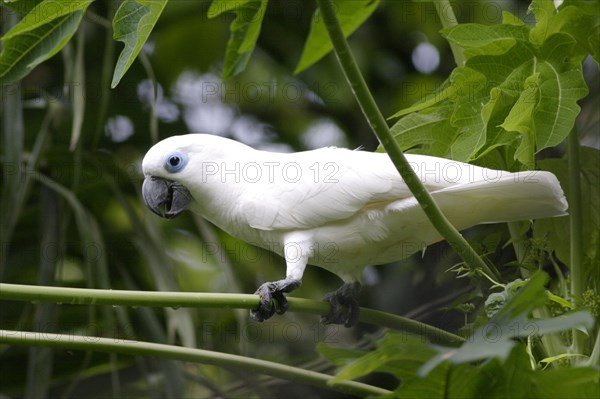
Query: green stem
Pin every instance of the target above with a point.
(86, 296)
(12, 189)
(551, 343)
(379, 125)
(576, 221)
(448, 19)
(105, 74)
(153, 122)
(138, 348)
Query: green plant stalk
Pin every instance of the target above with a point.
(138, 348)
(575, 223)
(153, 122)
(78, 90)
(594, 359)
(12, 190)
(379, 125)
(105, 74)
(86, 296)
(551, 344)
(446, 14)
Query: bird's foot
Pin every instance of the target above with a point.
(272, 299)
(344, 306)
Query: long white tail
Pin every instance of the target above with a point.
(513, 196)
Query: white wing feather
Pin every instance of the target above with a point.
(335, 183)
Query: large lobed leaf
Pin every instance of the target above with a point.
(132, 24)
(519, 86)
(44, 30)
(245, 30)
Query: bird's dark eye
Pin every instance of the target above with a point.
(175, 161)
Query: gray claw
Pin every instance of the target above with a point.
(344, 306)
(272, 299)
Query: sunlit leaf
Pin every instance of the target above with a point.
(561, 86)
(428, 132)
(539, 70)
(244, 29)
(519, 120)
(132, 25)
(479, 39)
(467, 117)
(494, 112)
(543, 11)
(38, 36)
(351, 15)
(448, 90)
(581, 20)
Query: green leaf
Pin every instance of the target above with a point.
(396, 353)
(337, 355)
(519, 120)
(514, 378)
(479, 39)
(580, 383)
(428, 132)
(523, 84)
(351, 15)
(553, 359)
(561, 86)
(245, 30)
(496, 338)
(543, 11)
(497, 300)
(132, 24)
(494, 113)
(447, 90)
(43, 32)
(21, 7)
(401, 356)
(511, 19)
(467, 117)
(581, 20)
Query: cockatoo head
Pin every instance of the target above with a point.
(171, 165)
(166, 167)
(173, 171)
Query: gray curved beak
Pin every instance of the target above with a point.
(165, 197)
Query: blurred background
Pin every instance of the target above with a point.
(76, 217)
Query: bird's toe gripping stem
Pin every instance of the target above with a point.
(344, 306)
(272, 299)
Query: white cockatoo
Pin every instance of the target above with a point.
(336, 208)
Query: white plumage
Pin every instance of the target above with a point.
(337, 208)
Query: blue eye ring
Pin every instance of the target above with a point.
(175, 162)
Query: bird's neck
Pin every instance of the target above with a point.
(219, 192)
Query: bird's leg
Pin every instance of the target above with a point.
(296, 258)
(344, 306)
(272, 299)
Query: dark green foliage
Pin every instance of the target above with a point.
(72, 215)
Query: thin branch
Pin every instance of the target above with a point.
(139, 348)
(379, 125)
(85, 296)
(576, 221)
